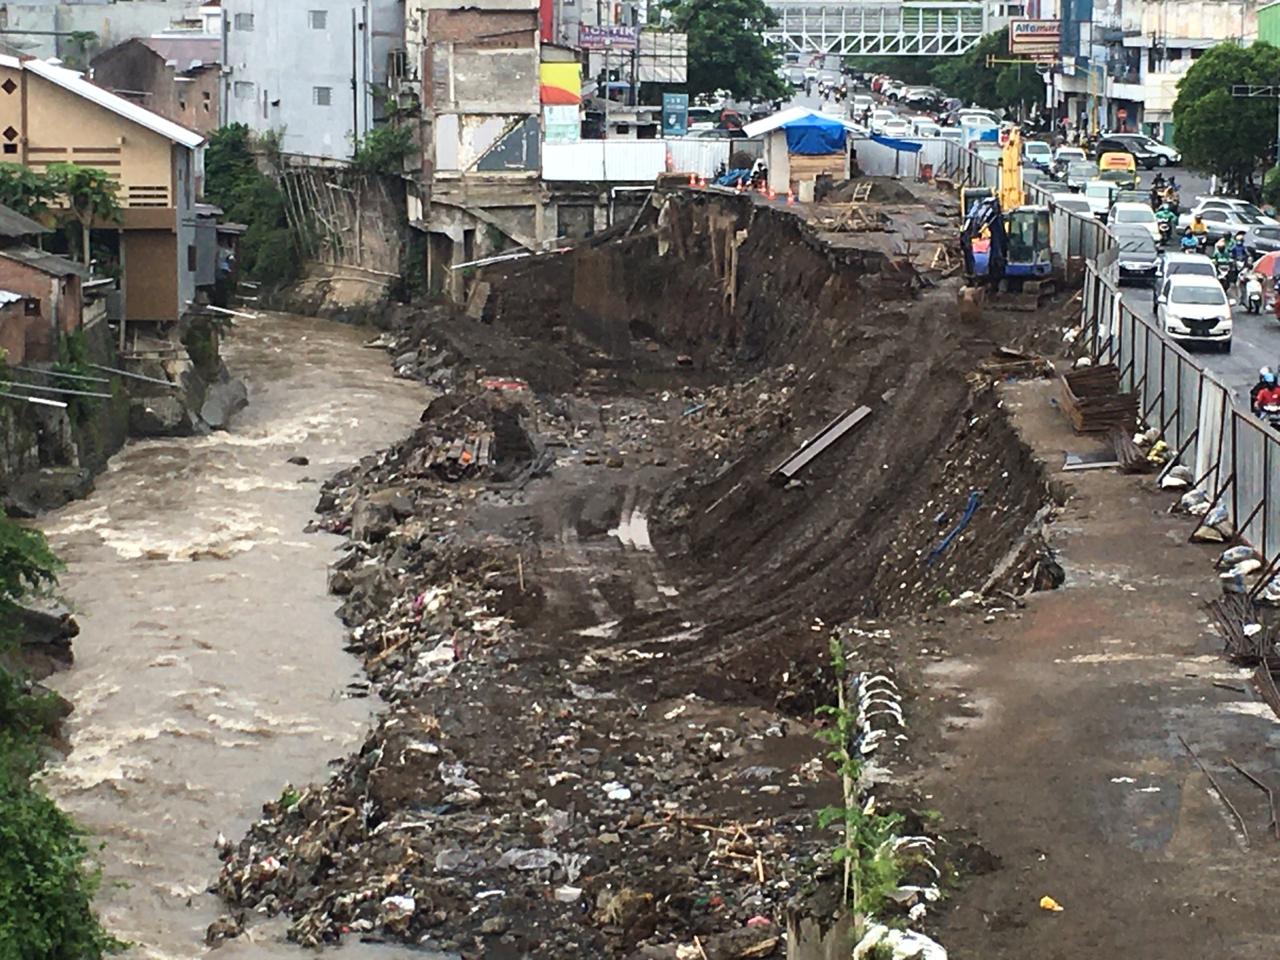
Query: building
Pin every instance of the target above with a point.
(1269, 22)
(478, 188)
(1122, 59)
(49, 114)
(178, 76)
(316, 73)
(40, 294)
(58, 28)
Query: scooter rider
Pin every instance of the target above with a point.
(1266, 378)
(1237, 249)
(1267, 393)
(1188, 243)
(1167, 220)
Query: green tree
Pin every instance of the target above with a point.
(24, 190)
(1221, 134)
(727, 50)
(383, 151)
(968, 77)
(90, 195)
(27, 565)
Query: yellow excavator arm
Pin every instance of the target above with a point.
(1011, 195)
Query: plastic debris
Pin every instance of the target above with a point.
(1050, 904)
(1178, 478)
(904, 944)
(1234, 555)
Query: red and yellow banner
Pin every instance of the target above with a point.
(561, 83)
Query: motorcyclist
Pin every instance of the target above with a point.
(1199, 228)
(1167, 218)
(1266, 392)
(1188, 243)
(1237, 248)
(1220, 254)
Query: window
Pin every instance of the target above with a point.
(318, 19)
(31, 306)
(242, 90)
(191, 258)
(244, 21)
(322, 96)
(10, 148)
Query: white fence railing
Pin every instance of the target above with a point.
(639, 161)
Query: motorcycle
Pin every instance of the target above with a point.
(1224, 269)
(1253, 294)
(1165, 230)
(1270, 412)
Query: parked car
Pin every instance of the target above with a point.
(1142, 157)
(1037, 154)
(1194, 310)
(1136, 214)
(1135, 252)
(1181, 264)
(1165, 156)
(1079, 173)
(880, 117)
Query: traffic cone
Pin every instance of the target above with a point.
(771, 194)
(693, 179)
(791, 198)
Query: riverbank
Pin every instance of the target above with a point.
(209, 668)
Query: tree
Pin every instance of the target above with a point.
(90, 195)
(727, 50)
(968, 77)
(24, 190)
(1221, 134)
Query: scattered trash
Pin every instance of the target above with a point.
(1177, 478)
(904, 944)
(1050, 904)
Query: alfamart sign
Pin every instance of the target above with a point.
(1034, 37)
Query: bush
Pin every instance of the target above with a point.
(383, 151)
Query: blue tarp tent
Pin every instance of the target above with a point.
(815, 135)
(906, 146)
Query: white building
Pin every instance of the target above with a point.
(311, 70)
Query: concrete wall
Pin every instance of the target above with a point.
(136, 72)
(279, 69)
(112, 22)
(60, 311)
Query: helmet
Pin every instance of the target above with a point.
(1269, 379)
(1198, 218)
(1186, 231)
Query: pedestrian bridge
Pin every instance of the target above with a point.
(879, 28)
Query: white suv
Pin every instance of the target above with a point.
(1194, 309)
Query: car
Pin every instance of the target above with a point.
(897, 127)
(1181, 264)
(1134, 196)
(1072, 203)
(1137, 214)
(1135, 252)
(1164, 156)
(1099, 195)
(1194, 310)
(1038, 154)
(1123, 179)
(1080, 172)
(860, 102)
(1222, 223)
(1031, 175)
(1262, 238)
(880, 117)
(1231, 203)
(987, 151)
(952, 133)
(922, 127)
(1063, 157)
(1142, 157)
(833, 109)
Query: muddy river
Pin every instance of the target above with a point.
(209, 670)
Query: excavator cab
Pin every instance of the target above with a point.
(1030, 256)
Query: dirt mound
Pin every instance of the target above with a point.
(602, 663)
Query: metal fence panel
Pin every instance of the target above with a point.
(702, 156)
(1249, 469)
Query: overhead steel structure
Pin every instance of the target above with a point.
(879, 28)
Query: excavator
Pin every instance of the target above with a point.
(1009, 252)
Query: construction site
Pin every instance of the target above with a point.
(741, 512)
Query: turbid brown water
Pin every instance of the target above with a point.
(209, 669)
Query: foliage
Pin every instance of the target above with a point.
(24, 190)
(727, 50)
(872, 867)
(1221, 134)
(73, 358)
(235, 182)
(89, 193)
(383, 151)
(27, 565)
(1271, 187)
(968, 78)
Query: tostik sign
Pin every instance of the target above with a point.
(608, 38)
(1034, 37)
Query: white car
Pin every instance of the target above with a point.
(897, 128)
(861, 102)
(952, 133)
(922, 127)
(1099, 194)
(1194, 309)
(880, 117)
(1232, 205)
(1073, 203)
(1184, 264)
(1140, 214)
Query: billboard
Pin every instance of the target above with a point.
(675, 114)
(1034, 38)
(608, 38)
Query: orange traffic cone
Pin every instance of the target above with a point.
(791, 198)
(693, 179)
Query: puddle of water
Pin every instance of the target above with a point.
(209, 668)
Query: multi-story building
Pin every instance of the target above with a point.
(49, 114)
(1122, 59)
(177, 75)
(316, 72)
(76, 30)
